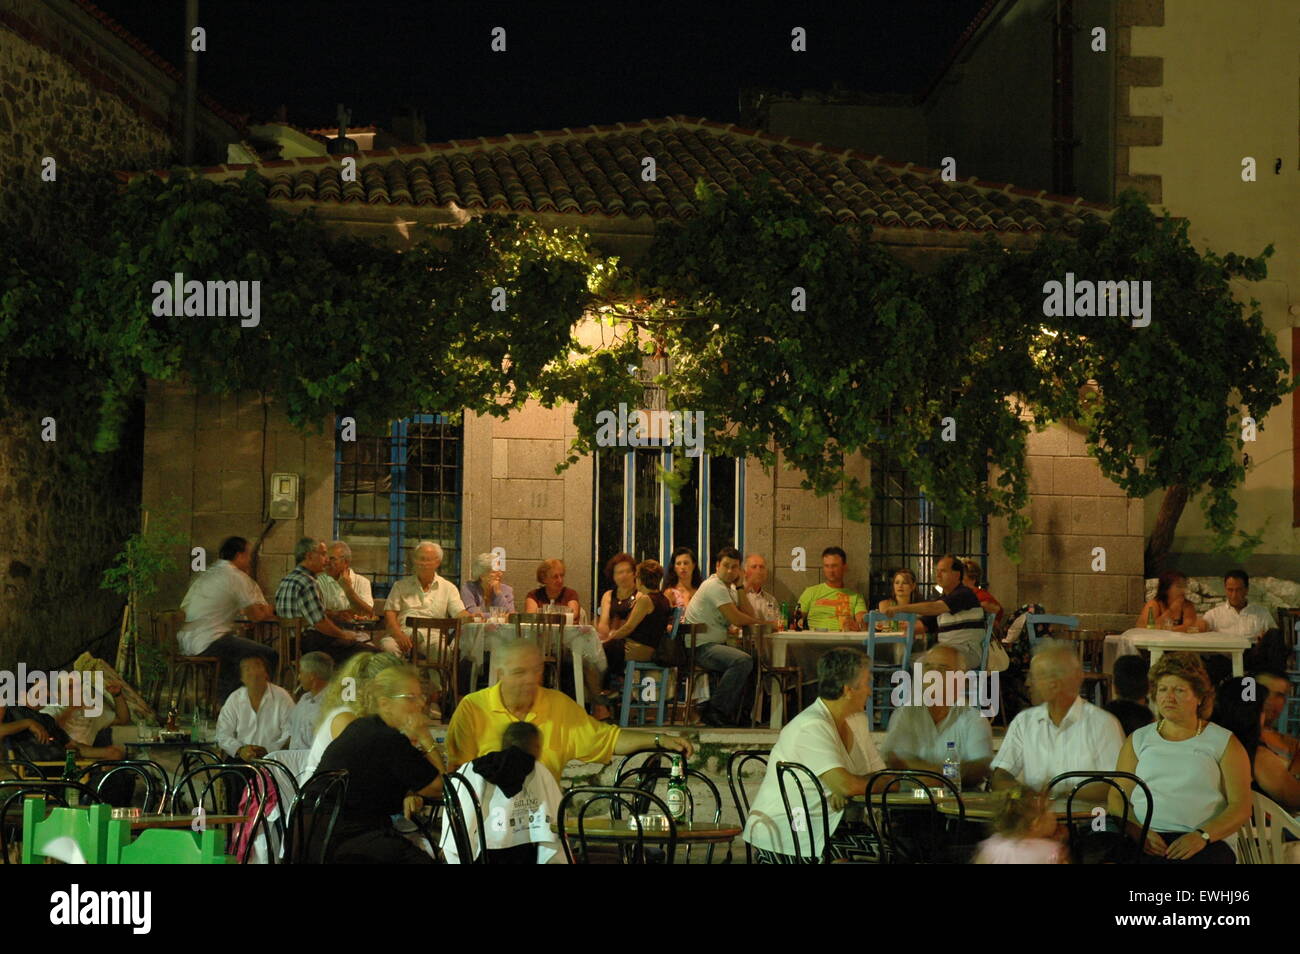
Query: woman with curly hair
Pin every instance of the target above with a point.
(1198, 773)
(1171, 609)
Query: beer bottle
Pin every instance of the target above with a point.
(676, 796)
(1151, 618)
(70, 775)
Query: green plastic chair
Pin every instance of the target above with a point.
(165, 846)
(86, 827)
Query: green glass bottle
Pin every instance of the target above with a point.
(676, 795)
(1151, 618)
(70, 775)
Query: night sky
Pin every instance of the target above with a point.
(567, 64)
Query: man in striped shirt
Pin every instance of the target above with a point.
(959, 617)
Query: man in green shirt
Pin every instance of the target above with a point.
(828, 605)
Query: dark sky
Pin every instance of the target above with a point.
(568, 64)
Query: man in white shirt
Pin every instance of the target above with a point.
(1062, 734)
(1239, 617)
(762, 602)
(217, 596)
(423, 594)
(255, 718)
(345, 591)
(918, 736)
(314, 672)
(715, 605)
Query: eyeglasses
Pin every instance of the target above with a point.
(419, 696)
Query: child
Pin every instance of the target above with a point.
(519, 799)
(1023, 826)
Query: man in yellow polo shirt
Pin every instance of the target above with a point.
(568, 733)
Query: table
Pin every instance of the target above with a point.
(181, 821)
(480, 639)
(603, 827)
(780, 642)
(1159, 642)
(979, 806)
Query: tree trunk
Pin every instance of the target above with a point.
(1162, 534)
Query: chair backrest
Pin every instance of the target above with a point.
(156, 781)
(618, 801)
(547, 629)
(689, 633)
(754, 639)
(84, 830)
(14, 792)
(676, 621)
(193, 758)
(655, 772)
(800, 816)
(1260, 841)
(456, 791)
(165, 625)
(989, 620)
(916, 847)
(1036, 621)
(220, 789)
(309, 834)
(1111, 780)
(166, 846)
(904, 639)
(737, 762)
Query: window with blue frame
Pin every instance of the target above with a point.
(393, 490)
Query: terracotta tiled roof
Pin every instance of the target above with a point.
(596, 170)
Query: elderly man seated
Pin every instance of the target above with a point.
(314, 673)
(423, 594)
(346, 592)
(255, 718)
(568, 733)
(299, 597)
(918, 736)
(1063, 733)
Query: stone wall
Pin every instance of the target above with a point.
(205, 453)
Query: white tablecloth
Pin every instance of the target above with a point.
(479, 641)
(1160, 641)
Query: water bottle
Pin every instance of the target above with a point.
(952, 766)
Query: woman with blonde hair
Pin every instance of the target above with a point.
(389, 754)
(1197, 771)
(344, 701)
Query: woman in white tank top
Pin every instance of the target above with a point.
(1198, 773)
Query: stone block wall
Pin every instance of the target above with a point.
(208, 454)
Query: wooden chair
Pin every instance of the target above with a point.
(199, 673)
(285, 637)
(437, 651)
(1096, 683)
(548, 630)
(786, 680)
(689, 634)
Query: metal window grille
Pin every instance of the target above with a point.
(908, 532)
(393, 490)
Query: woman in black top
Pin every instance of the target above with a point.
(388, 754)
(550, 574)
(638, 636)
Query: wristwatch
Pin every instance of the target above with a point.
(1204, 834)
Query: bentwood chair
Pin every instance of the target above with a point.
(689, 634)
(114, 781)
(907, 836)
(1114, 846)
(880, 703)
(800, 817)
(737, 762)
(460, 804)
(437, 657)
(580, 802)
(229, 789)
(313, 817)
(770, 679)
(652, 775)
(197, 674)
(285, 637)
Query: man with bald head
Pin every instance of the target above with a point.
(568, 733)
(761, 601)
(918, 736)
(1063, 733)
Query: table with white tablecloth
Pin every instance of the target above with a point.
(479, 640)
(1161, 641)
